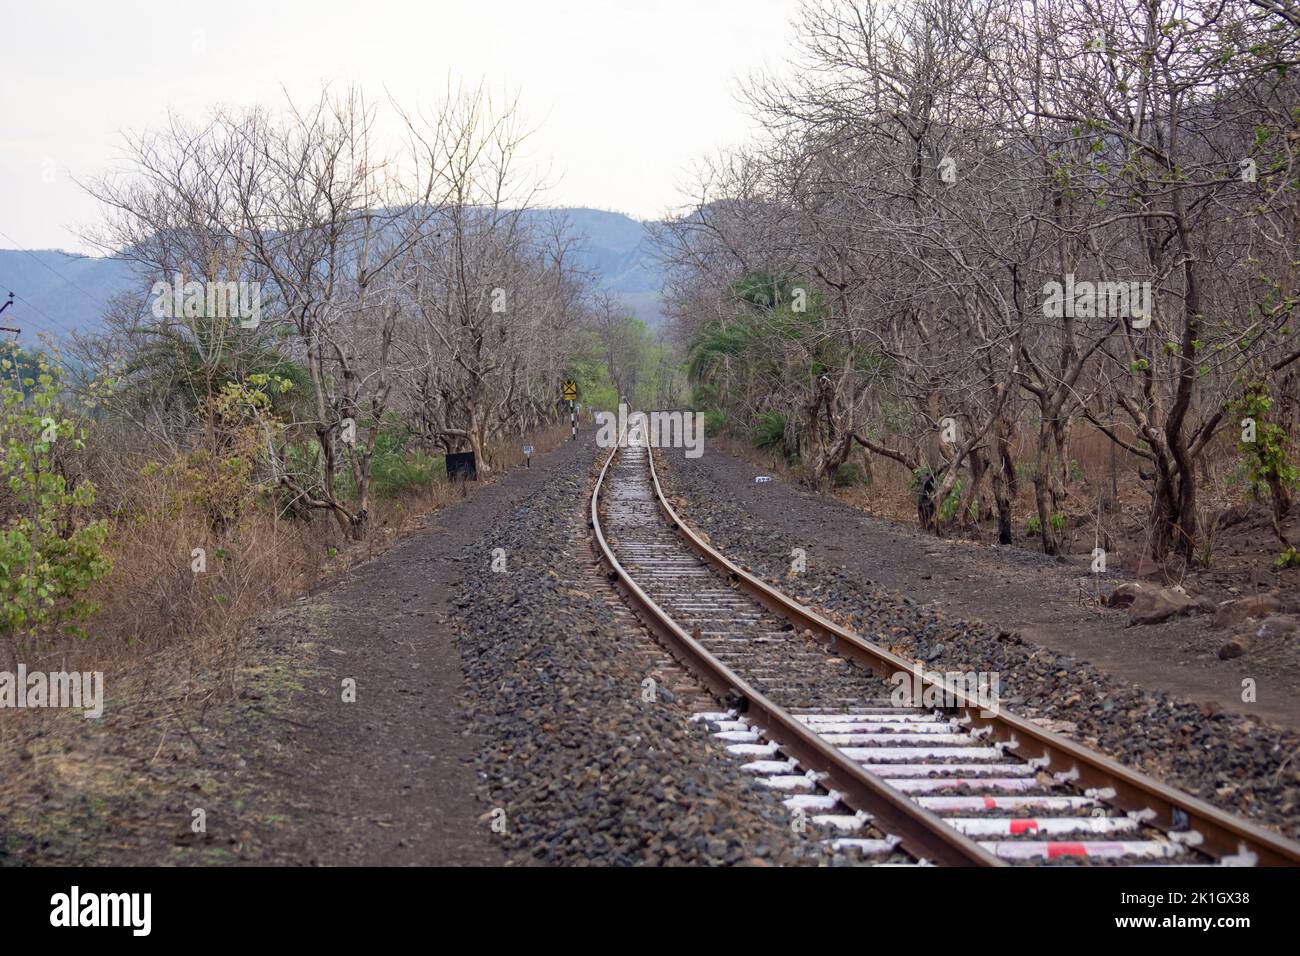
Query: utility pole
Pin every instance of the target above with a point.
(9, 328)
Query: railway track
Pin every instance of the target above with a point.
(812, 708)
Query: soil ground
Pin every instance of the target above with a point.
(286, 772)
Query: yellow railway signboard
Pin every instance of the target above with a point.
(569, 389)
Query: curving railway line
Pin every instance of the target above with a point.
(810, 706)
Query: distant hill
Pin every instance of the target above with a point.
(60, 293)
(618, 251)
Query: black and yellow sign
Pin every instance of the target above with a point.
(569, 389)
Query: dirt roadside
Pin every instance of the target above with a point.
(287, 772)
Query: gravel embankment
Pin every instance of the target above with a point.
(1243, 765)
(585, 771)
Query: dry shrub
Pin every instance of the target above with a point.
(166, 632)
(161, 592)
(170, 639)
(508, 452)
(1093, 516)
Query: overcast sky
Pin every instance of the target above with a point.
(625, 95)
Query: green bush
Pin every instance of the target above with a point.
(769, 430)
(1268, 457)
(412, 469)
(397, 468)
(848, 474)
(948, 510)
(48, 555)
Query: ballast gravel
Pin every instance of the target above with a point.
(1243, 765)
(575, 768)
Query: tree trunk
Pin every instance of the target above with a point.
(1004, 480)
(1044, 492)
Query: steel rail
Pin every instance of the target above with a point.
(1184, 818)
(921, 833)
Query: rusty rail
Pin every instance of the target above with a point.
(921, 832)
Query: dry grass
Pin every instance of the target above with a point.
(169, 638)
